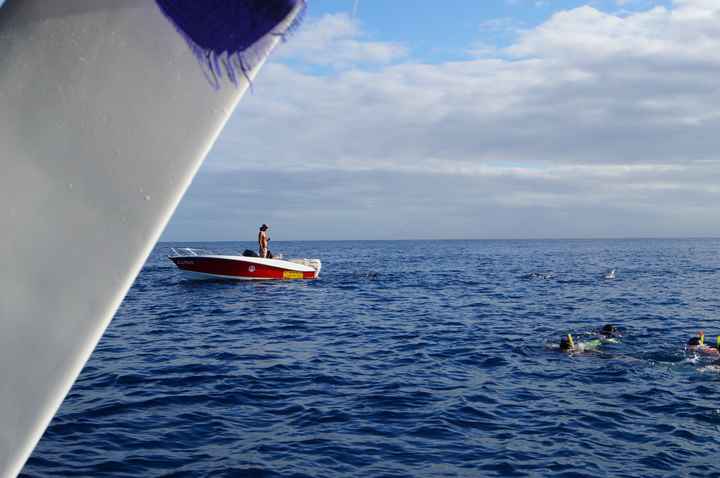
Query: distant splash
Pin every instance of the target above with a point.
(609, 275)
(225, 35)
(539, 276)
(709, 369)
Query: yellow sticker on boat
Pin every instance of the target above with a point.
(292, 275)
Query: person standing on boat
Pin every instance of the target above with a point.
(263, 240)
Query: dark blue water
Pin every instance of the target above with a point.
(405, 359)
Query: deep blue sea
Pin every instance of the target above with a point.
(405, 359)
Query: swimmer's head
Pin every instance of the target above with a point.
(608, 330)
(565, 344)
(694, 342)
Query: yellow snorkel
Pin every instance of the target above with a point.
(701, 334)
(570, 340)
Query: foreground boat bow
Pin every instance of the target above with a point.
(107, 110)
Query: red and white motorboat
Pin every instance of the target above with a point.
(198, 265)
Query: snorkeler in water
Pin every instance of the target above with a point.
(568, 344)
(608, 333)
(696, 345)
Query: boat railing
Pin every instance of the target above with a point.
(184, 251)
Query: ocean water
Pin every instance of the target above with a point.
(405, 359)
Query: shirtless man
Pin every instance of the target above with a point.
(263, 240)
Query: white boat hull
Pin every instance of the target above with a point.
(245, 268)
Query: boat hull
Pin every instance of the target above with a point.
(243, 268)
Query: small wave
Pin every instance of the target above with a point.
(369, 275)
(539, 276)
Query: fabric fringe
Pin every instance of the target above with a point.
(238, 64)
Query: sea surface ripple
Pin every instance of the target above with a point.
(405, 359)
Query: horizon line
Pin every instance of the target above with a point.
(636, 238)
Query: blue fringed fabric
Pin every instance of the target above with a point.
(226, 35)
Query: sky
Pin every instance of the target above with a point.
(474, 119)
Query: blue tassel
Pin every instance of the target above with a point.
(224, 34)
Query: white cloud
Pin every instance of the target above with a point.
(600, 124)
(679, 37)
(502, 25)
(338, 40)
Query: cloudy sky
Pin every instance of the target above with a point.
(474, 119)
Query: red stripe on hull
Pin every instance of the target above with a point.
(235, 268)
